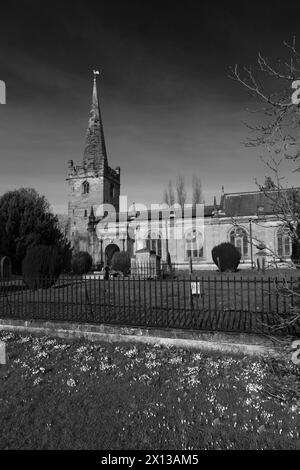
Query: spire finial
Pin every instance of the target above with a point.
(96, 72)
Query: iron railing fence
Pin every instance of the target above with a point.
(220, 303)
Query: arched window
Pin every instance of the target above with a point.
(153, 243)
(194, 244)
(239, 238)
(85, 188)
(284, 243)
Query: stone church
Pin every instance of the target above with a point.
(175, 235)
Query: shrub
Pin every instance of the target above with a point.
(226, 256)
(66, 253)
(121, 262)
(41, 266)
(81, 262)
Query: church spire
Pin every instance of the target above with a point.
(95, 150)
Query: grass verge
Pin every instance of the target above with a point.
(58, 394)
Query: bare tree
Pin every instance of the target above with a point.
(169, 196)
(181, 191)
(197, 191)
(272, 84)
(276, 87)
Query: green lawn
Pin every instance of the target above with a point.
(57, 394)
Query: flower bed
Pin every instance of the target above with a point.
(58, 394)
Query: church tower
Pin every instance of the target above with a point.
(93, 182)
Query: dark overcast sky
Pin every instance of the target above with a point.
(167, 104)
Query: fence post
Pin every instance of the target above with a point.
(87, 297)
(191, 265)
(3, 285)
(191, 294)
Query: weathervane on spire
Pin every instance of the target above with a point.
(96, 72)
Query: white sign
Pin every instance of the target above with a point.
(195, 288)
(2, 353)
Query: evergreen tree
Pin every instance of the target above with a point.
(26, 221)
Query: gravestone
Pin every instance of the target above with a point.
(2, 353)
(5, 268)
(146, 264)
(261, 259)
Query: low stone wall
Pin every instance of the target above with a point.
(223, 342)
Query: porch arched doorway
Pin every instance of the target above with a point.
(110, 250)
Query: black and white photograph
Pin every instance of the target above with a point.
(149, 228)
